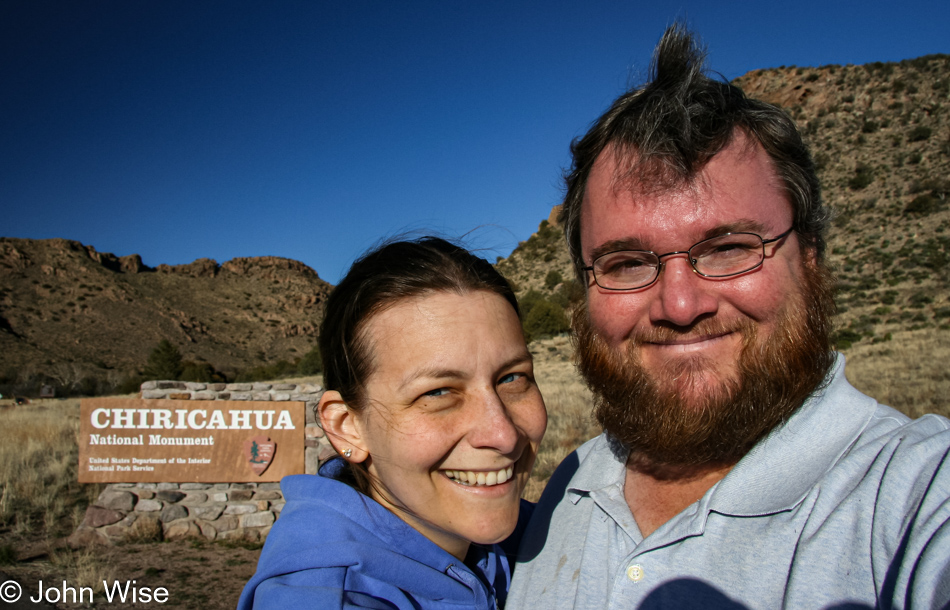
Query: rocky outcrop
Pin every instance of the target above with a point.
(202, 267)
(268, 267)
(120, 264)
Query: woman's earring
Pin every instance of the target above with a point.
(347, 453)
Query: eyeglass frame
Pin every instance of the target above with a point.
(692, 261)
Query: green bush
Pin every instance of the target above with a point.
(544, 320)
(552, 279)
(311, 363)
(845, 338)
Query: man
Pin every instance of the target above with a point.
(738, 467)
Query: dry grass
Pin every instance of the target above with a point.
(569, 409)
(82, 568)
(38, 460)
(909, 373)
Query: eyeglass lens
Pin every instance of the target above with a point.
(721, 256)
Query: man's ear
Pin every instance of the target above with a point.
(341, 426)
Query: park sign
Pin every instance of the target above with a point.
(129, 440)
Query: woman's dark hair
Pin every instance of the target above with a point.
(378, 280)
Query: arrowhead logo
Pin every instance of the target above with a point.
(259, 452)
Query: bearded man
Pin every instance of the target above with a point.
(738, 468)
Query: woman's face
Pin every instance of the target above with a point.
(453, 417)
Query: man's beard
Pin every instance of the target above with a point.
(679, 421)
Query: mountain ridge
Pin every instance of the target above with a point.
(879, 134)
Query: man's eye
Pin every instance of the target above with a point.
(621, 266)
(438, 392)
(730, 247)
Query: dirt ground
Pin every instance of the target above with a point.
(196, 574)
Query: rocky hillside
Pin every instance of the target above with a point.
(880, 134)
(68, 311)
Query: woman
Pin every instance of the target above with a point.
(432, 406)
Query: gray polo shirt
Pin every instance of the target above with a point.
(844, 506)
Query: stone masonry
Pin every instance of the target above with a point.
(214, 511)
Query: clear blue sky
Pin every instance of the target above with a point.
(310, 130)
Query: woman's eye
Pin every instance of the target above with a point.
(438, 392)
(510, 377)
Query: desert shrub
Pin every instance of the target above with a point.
(919, 299)
(267, 372)
(919, 133)
(844, 338)
(311, 363)
(889, 297)
(922, 205)
(202, 372)
(863, 176)
(130, 385)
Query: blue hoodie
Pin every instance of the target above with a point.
(334, 547)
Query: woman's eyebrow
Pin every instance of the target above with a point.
(441, 373)
(520, 359)
(431, 373)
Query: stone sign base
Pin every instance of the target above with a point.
(156, 511)
(213, 511)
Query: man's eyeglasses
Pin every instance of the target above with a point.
(721, 256)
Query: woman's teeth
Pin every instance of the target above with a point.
(483, 479)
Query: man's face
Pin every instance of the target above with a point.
(686, 320)
(680, 365)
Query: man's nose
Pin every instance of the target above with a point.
(681, 294)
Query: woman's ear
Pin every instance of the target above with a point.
(341, 427)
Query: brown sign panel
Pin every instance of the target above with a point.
(129, 440)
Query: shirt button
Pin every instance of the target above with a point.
(635, 573)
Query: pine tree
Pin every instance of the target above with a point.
(164, 362)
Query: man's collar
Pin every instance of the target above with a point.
(784, 466)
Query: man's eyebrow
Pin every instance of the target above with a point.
(744, 225)
(615, 245)
(635, 243)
